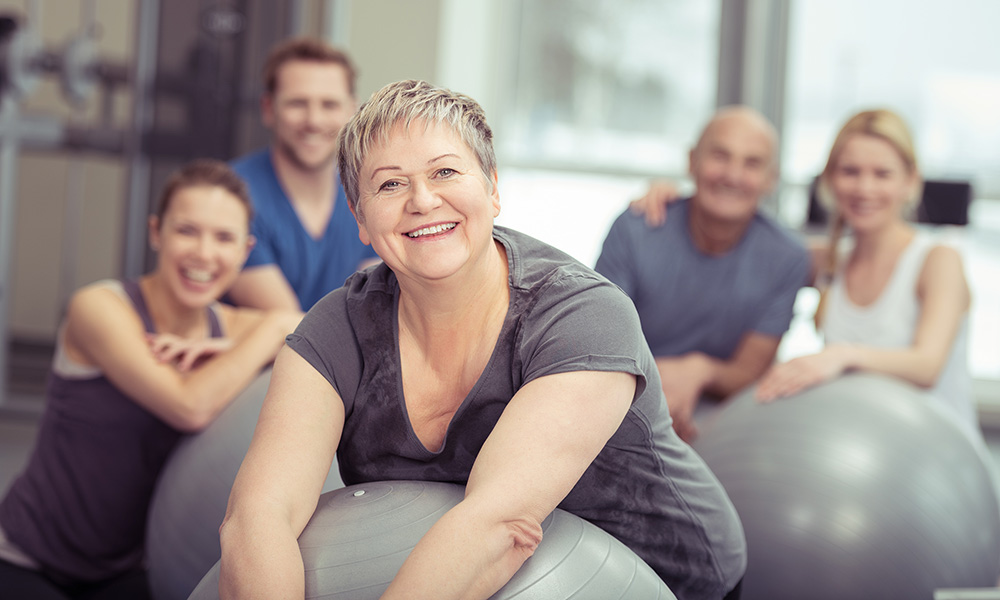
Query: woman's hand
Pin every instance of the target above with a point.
(653, 205)
(800, 373)
(185, 354)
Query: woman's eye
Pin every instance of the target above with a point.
(388, 185)
(445, 172)
(187, 230)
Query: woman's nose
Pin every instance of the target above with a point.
(866, 184)
(422, 199)
(205, 247)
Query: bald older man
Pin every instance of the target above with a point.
(715, 284)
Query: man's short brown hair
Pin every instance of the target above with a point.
(305, 49)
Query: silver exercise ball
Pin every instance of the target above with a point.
(182, 530)
(858, 488)
(360, 535)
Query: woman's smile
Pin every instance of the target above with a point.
(425, 204)
(431, 231)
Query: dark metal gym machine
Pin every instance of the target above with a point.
(194, 81)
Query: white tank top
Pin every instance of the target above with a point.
(891, 322)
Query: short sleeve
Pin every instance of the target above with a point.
(777, 313)
(616, 261)
(582, 323)
(326, 339)
(262, 252)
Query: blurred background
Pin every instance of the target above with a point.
(588, 99)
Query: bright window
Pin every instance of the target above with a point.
(936, 62)
(611, 85)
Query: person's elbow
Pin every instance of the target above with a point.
(926, 378)
(244, 512)
(525, 534)
(520, 538)
(188, 410)
(229, 528)
(927, 369)
(232, 554)
(191, 417)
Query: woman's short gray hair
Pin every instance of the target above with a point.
(404, 102)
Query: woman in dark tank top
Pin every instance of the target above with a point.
(138, 363)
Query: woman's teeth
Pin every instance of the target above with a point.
(431, 230)
(199, 275)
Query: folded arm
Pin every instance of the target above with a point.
(546, 438)
(944, 298)
(263, 287)
(113, 339)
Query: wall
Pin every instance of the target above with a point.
(42, 232)
(447, 42)
(392, 40)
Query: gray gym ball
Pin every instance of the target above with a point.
(858, 488)
(182, 529)
(360, 535)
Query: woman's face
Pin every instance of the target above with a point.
(871, 183)
(424, 203)
(202, 242)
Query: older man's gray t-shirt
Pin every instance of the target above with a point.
(689, 301)
(646, 487)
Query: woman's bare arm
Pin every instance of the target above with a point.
(102, 328)
(944, 299)
(279, 483)
(546, 438)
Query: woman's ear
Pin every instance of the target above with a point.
(362, 232)
(154, 232)
(494, 183)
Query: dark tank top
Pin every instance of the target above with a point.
(79, 508)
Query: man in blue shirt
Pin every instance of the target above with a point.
(306, 237)
(715, 285)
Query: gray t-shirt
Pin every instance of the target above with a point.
(646, 487)
(689, 301)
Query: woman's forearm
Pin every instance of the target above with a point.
(259, 562)
(921, 368)
(205, 391)
(465, 556)
(279, 482)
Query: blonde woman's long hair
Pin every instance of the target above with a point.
(879, 123)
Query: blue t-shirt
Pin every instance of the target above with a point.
(689, 301)
(313, 267)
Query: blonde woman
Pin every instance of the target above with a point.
(897, 301)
